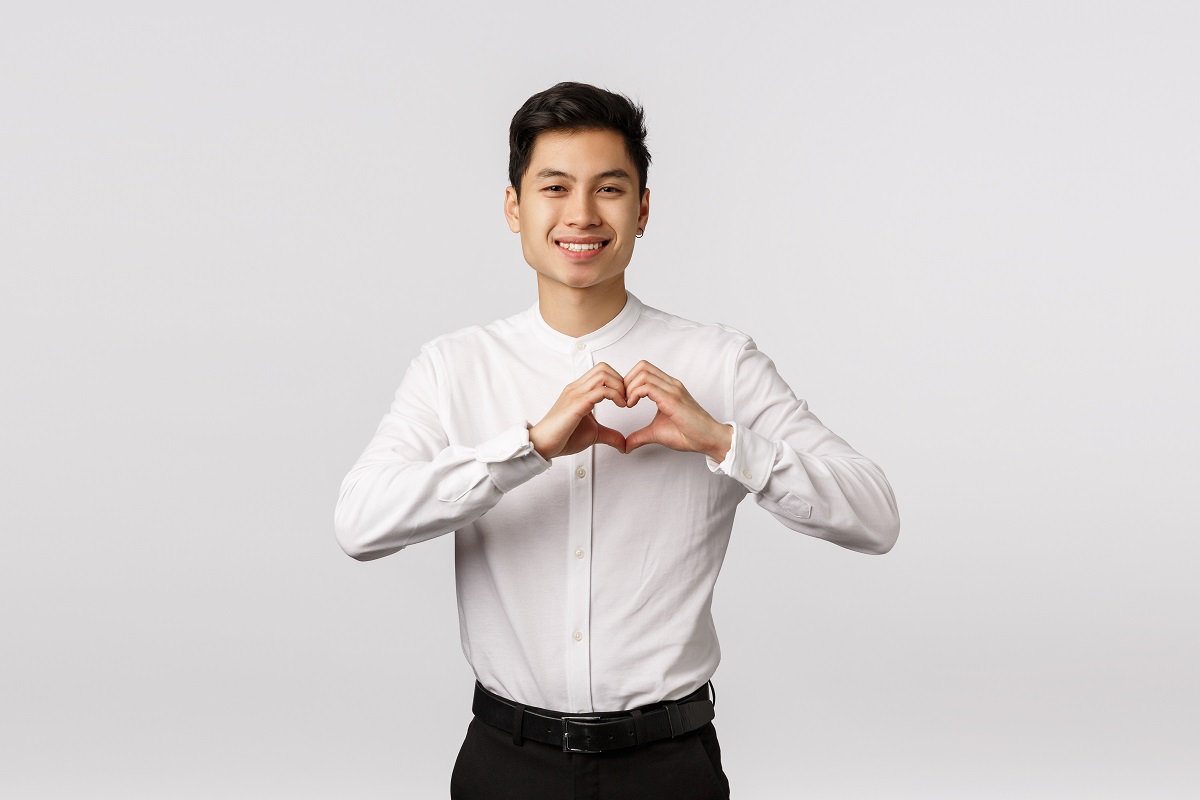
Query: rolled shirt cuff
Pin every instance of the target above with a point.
(510, 458)
(750, 459)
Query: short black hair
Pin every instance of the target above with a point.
(576, 106)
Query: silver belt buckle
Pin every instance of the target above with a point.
(567, 748)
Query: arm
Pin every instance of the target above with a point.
(808, 478)
(410, 484)
(798, 470)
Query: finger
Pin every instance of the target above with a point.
(638, 438)
(647, 385)
(593, 398)
(637, 383)
(606, 367)
(634, 371)
(609, 378)
(608, 436)
(645, 367)
(584, 387)
(603, 368)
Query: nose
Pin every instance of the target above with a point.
(581, 211)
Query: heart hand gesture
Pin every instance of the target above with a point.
(680, 424)
(569, 425)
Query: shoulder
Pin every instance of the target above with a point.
(708, 335)
(473, 342)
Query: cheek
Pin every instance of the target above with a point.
(533, 253)
(630, 215)
(537, 220)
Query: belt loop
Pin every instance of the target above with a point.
(639, 726)
(674, 719)
(713, 690)
(518, 732)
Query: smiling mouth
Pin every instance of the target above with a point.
(581, 247)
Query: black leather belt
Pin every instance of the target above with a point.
(596, 732)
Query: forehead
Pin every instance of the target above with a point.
(580, 153)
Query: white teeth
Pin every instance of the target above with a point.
(578, 248)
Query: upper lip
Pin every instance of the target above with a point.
(580, 239)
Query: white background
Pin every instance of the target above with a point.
(965, 232)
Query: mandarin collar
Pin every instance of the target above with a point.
(612, 331)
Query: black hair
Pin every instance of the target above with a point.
(576, 106)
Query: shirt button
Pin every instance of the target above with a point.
(581, 472)
(579, 553)
(581, 345)
(577, 636)
(747, 474)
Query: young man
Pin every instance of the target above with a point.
(587, 545)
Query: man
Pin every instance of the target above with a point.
(587, 545)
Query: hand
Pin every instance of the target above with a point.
(569, 425)
(680, 424)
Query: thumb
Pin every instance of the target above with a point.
(638, 438)
(609, 437)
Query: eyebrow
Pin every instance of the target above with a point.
(608, 173)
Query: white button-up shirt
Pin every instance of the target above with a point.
(586, 584)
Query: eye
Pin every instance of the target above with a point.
(610, 189)
(555, 188)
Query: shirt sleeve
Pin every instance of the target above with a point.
(411, 484)
(807, 477)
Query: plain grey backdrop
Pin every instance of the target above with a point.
(965, 232)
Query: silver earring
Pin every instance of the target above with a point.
(638, 235)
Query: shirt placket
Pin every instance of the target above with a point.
(578, 557)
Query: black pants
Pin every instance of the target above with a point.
(491, 767)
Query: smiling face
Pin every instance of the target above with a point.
(579, 209)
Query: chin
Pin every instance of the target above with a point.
(572, 281)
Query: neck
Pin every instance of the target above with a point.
(579, 311)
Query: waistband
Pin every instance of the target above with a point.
(595, 732)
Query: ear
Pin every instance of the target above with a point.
(512, 209)
(644, 209)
